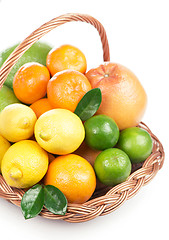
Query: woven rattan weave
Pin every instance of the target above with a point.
(106, 200)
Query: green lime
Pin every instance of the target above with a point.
(112, 166)
(7, 97)
(101, 132)
(136, 142)
(36, 53)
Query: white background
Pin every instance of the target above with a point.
(138, 38)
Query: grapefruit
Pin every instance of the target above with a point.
(123, 97)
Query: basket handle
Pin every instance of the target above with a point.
(44, 29)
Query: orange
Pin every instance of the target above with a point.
(66, 88)
(41, 106)
(30, 82)
(90, 155)
(123, 97)
(51, 157)
(74, 176)
(66, 57)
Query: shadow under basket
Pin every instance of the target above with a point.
(105, 200)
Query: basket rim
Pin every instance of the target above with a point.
(108, 202)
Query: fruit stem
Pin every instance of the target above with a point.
(106, 75)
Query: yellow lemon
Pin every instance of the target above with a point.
(17, 122)
(24, 164)
(4, 145)
(59, 131)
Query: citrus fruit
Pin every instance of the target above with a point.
(123, 97)
(51, 157)
(74, 176)
(87, 153)
(112, 166)
(24, 164)
(66, 57)
(4, 147)
(137, 143)
(41, 106)
(17, 122)
(30, 82)
(66, 88)
(101, 132)
(7, 97)
(36, 53)
(90, 155)
(59, 131)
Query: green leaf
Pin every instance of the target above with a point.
(55, 200)
(89, 104)
(32, 201)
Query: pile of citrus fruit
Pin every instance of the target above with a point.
(65, 127)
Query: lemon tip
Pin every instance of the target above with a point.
(24, 123)
(44, 136)
(15, 173)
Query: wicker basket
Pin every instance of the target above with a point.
(105, 200)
